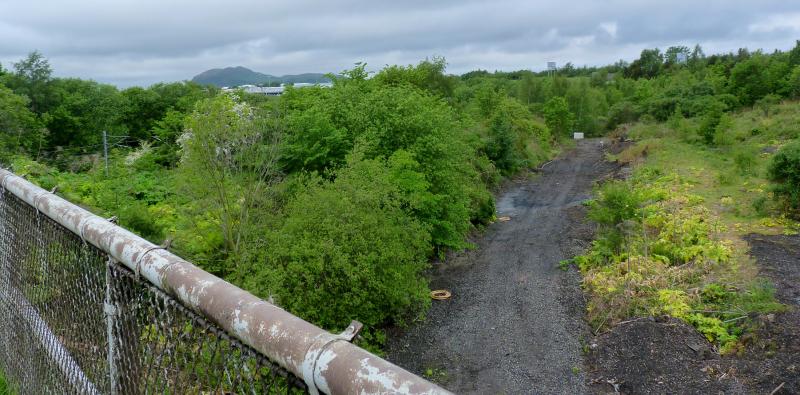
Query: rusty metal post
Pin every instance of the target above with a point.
(327, 363)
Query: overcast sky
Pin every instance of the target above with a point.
(140, 42)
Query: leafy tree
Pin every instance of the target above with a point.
(767, 103)
(647, 66)
(588, 104)
(599, 78)
(80, 112)
(323, 125)
(474, 74)
(20, 131)
(793, 83)
(500, 145)
(559, 85)
(314, 142)
(487, 99)
(673, 54)
(794, 54)
(621, 113)
(514, 139)
(558, 117)
(568, 69)
(748, 79)
(530, 90)
(428, 75)
(697, 54)
(142, 109)
(31, 78)
(166, 132)
(181, 96)
(228, 166)
(722, 131)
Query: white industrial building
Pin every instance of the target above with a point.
(274, 90)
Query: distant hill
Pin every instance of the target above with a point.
(235, 76)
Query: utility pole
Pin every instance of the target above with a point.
(105, 150)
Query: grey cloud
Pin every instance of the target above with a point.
(128, 42)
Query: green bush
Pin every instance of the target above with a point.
(324, 125)
(558, 117)
(427, 74)
(620, 113)
(20, 130)
(348, 250)
(618, 204)
(784, 170)
(760, 206)
(723, 135)
(500, 145)
(709, 123)
(514, 140)
(745, 160)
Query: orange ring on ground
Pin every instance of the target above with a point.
(441, 294)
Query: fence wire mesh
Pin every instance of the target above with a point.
(74, 322)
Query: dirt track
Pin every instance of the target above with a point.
(514, 323)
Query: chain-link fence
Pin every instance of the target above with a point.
(87, 307)
(74, 321)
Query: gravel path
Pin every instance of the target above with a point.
(514, 323)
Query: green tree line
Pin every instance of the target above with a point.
(331, 202)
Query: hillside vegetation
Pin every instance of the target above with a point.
(670, 235)
(332, 201)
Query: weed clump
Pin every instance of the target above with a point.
(784, 170)
(660, 251)
(745, 161)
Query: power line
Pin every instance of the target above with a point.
(79, 148)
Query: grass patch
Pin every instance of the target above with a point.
(5, 386)
(732, 179)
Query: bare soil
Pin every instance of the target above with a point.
(772, 356)
(514, 324)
